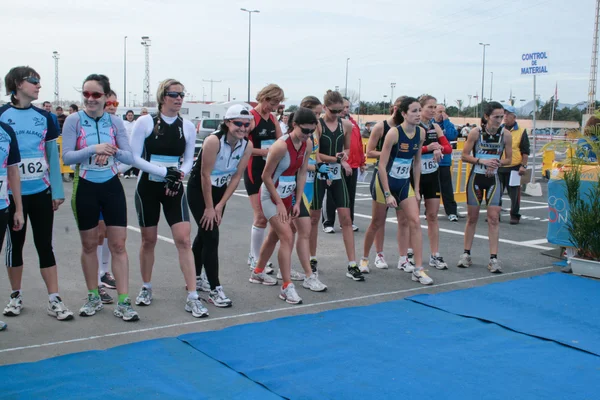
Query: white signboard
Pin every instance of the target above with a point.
(535, 63)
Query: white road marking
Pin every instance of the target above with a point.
(166, 239)
(536, 241)
(269, 311)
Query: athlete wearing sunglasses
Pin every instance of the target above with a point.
(214, 178)
(41, 187)
(94, 140)
(159, 143)
(282, 197)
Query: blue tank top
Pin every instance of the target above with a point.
(33, 127)
(402, 153)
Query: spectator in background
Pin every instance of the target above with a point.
(445, 176)
(73, 108)
(520, 154)
(585, 151)
(357, 161)
(279, 112)
(48, 107)
(283, 123)
(366, 133)
(60, 116)
(129, 123)
(465, 131)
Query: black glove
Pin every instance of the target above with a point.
(173, 174)
(174, 186)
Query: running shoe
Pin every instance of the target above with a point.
(262, 278)
(218, 298)
(464, 261)
(437, 262)
(105, 297)
(294, 275)
(354, 273)
(328, 229)
(452, 218)
(202, 283)
(109, 281)
(419, 275)
(290, 295)
(15, 305)
(58, 310)
(92, 305)
(363, 266)
(313, 265)
(354, 228)
(196, 307)
(144, 298)
(406, 266)
(380, 261)
(411, 257)
(2, 325)
(313, 283)
(495, 266)
(126, 312)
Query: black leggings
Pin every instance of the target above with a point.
(206, 243)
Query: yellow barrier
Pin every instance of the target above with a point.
(64, 169)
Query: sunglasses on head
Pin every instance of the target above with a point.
(112, 103)
(239, 124)
(32, 79)
(307, 131)
(174, 95)
(331, 110)
(93, 95)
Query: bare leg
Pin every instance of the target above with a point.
(149, 238)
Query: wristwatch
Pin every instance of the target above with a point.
(387, 194)
(524, 166)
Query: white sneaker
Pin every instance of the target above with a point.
(495, 266)
(196, 307)
(58, 310)
(380, 261)
(420, 276)
(406, 266)
(218, 298)
(452, 218)
(144, 298)
(363, 266)
(313, 283)
(262, 278)
(328, 229)
(290, 295)
(437, 262)
(202, 283)
(464, 261)
(294, 275)
(354, 228)
(268, 268)
(15, 305)
(411, 257)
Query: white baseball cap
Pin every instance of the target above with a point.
(238, 111)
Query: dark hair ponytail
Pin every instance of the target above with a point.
(403, 108)
(397, 116)
(290, 123)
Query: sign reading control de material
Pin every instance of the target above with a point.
(534, 63)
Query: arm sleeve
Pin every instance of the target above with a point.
(141, 130)
(70, 155)
(14, 155)
(524, 145)
(190, 146)
(124, 153)
(450, 130)
(446, 147)
(56, 183)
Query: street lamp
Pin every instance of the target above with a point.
(249, 41)
(125, 71)
(346, 89)
(392, 85)
(384, 96)
(483, 75)
(56, 57)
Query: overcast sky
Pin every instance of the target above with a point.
(424, 46)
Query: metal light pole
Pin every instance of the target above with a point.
(146, 43)
(125, 71)
(392, 85)
(211, 88)
(249, 42)
(346, 88)
(359, 100)
(56, 57)
(483, 75)
(491, 86)
(384, 96)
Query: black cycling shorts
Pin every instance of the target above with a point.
(149, 196)
(90, 199)
(336, 192)
(252, 181)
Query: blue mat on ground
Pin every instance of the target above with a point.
(399, 350)
(554, 306)
(154, 369)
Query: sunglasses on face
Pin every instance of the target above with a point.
(331, 110)
(93, 95)
(32, 79)
(174, 95)
(112, 103)
(307, 131)
(239, 124)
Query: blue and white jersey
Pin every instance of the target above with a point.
(9, 155)
(33, 127)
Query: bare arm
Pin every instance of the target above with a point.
(507, 148)
(301, 175)
(417, 163)
(210, 148)
(276, 153)
(376, 134)
(466, 155)
(390, 140)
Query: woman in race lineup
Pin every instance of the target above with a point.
(264, 133)
(283, 177)
(159, 144)
(41, 188)
(93, 139)
(484, 149)
(401, 154)
(214, 178)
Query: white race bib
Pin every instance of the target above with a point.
(221, 178)
(310, 175)
(401, 168)
(33, 168)
(335, 171)
(162, 161)
(286, 186)
(91, 164)
(482, 169)
(3, 187)
(266, 144)
(428, 164)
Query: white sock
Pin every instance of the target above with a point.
(410, 250)
(192, 295)
(313, 258)
(147, 285)
(257, 237)
(105, 257)
(53, 296)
